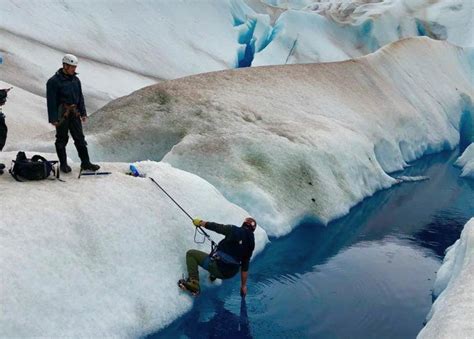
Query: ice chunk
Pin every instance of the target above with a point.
(451, 313)
(466, 161)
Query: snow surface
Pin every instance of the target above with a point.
(466, 161)
(451, 313)
(289, 141)
(100, 256)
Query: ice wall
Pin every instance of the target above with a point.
(296, 140)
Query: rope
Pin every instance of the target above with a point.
(198, 228)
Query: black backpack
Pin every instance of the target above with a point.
(36, 168)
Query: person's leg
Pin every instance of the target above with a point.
(3, 131)
(77, 134)
(195, 258)
(81, 144)
(62, 137)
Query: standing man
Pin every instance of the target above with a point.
(232, 253)
(67, 112)
(3, 125)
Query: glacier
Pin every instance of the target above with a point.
(122, 50)
(283, 143)
(348, 29)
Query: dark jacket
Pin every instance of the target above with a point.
(239, 243)
(63, 89)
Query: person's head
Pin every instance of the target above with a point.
(250, 224)
(69, 64)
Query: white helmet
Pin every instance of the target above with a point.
(70, 59)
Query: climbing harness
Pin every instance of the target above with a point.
(198, 229)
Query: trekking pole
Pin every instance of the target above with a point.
(204, 233)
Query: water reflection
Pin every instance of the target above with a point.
(223, 324)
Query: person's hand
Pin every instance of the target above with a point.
(197, 222)
(55, 124)
(84, 119)
(243, 291)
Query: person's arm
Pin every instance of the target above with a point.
(81, 107)
(243, 282)
(52, 101)
(213, 226)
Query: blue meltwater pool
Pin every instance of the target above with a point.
(367, 275)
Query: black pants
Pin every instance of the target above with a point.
(73, 125)
(3, 131)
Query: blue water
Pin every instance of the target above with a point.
(367, 275)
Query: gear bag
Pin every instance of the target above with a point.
(36, 168)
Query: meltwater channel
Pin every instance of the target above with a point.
(367, 275)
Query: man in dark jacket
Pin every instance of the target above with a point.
(67, 111)
(3, 126)
(232, 253)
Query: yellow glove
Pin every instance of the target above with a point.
(197, 222)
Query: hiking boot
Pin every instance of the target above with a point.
(2, 166)
(212, 278)
(88, 166)
(65, 168)
(190, 285)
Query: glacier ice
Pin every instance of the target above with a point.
(288, 141)
(100, 257)
(451, 313)
(466, 161)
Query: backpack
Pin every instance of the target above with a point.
(36, 168)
